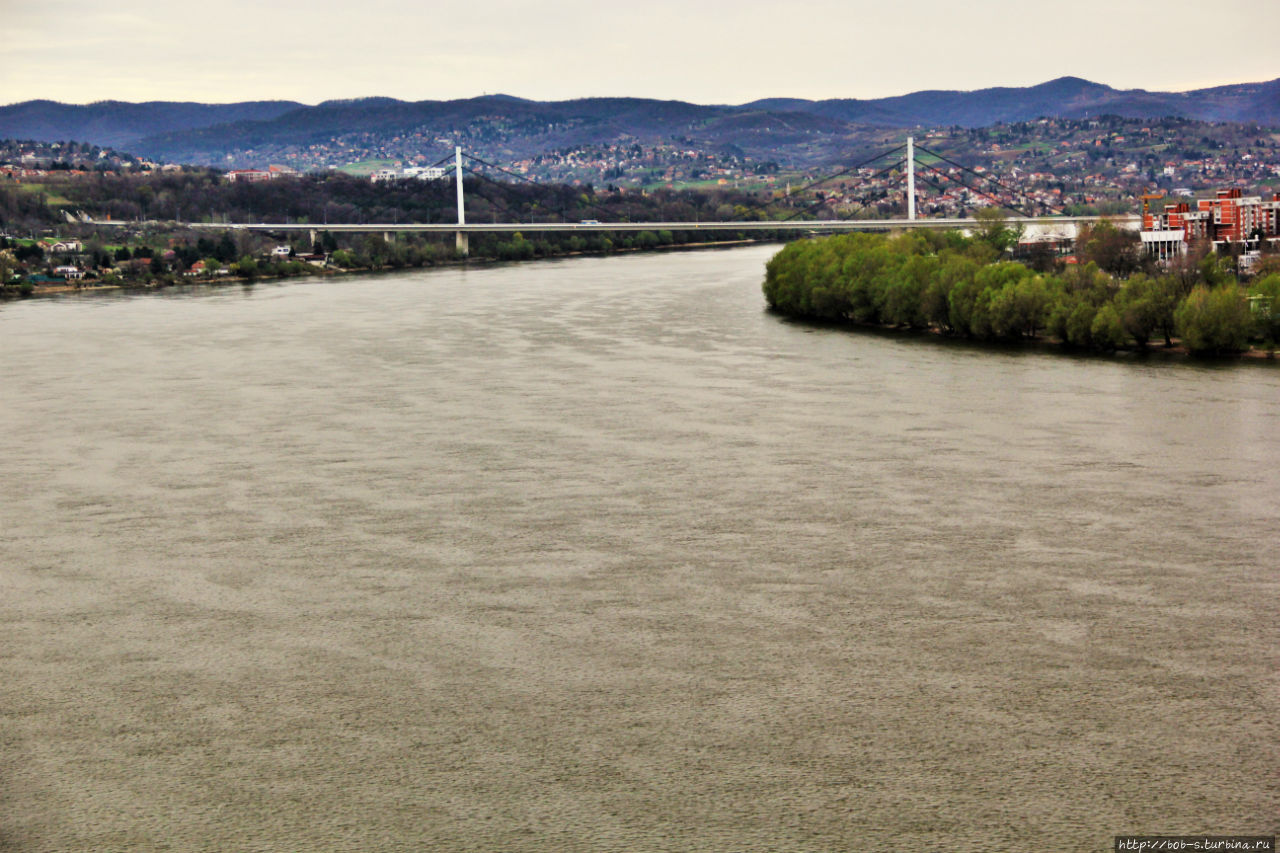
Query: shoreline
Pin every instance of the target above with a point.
(1040, 343)
(64, 289)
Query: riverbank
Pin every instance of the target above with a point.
(1178, 350)
(163, 283)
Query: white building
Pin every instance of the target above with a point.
(425, 173)
(422, 173)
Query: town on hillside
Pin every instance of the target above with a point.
(1195, 183)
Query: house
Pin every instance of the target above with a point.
(281, 251)
(64, 247)
(69, 273)
(249, 176)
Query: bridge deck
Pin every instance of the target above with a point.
(1129, 221)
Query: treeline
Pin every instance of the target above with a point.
(960, 286)
(334, 197)
(373, 251)
(157, 257)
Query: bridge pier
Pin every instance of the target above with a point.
(312, 232)
(462, 243)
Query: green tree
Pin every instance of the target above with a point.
(1214, 321)
(1146, 306)
(1020, 307)
(993, 229)
(1106, 331)
(904, 302)
(1071, 319)
(1215, 270)
(247, 267)
(1117, 251)
(225, 251)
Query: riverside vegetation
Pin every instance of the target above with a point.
(957, 285)
(156, 248)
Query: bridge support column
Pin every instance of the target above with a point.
(388, 236)
(461, 242)
(313, 240)
(911, 178)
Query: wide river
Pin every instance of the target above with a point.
(598, 555)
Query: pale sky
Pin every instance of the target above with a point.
(703, 51)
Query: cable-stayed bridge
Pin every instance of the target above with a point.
(1032, 215)
(821, 225)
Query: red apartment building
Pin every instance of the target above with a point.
(1229, 217)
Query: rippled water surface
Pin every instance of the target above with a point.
(598, 555)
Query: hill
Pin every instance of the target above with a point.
(1066, 97)
(790, 131)
(119, 124)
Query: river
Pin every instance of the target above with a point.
(596, 554)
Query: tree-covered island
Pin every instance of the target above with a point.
(1110, 298)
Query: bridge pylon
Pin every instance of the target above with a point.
(461, 241)
(911, 178)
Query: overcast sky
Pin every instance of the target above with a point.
(705, 51)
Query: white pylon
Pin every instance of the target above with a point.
(457, 171)
(911, 178)
(461, 241)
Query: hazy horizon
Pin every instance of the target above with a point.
(623, 96)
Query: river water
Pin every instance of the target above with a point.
(596, 554)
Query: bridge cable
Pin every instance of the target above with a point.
(861, 201)
(560, 211)
(999, 202)
(831, 177)
(981, 192)
(529, 180)
(986, 177)
(514, 215)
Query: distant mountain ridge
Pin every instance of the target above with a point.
(1066, 97)
(209, 133)
(120, 123)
